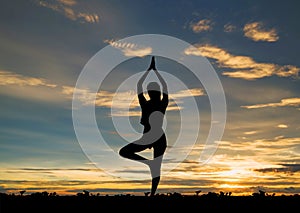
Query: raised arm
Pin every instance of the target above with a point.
(163, 82)
(160, 78)
(142, 79)
(140, 83)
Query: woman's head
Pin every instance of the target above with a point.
(153, 89)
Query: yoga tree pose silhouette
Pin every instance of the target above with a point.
(153, 111)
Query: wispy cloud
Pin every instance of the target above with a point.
(125, 100)
(285, 168)
(48, 170)
(107, 99)
(229, 28)
(284, 102)
(67, 2)
(245, 66)
(10, 78)
(130, 49)
(67, 8)
(282, 126)
(263, 150)
(122, 100)
(187, 93)
(257, 32)
(250, 132)
(202, 25)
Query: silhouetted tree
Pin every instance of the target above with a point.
(45, 193)
(175, 194)
(22, 192)
(86, 193)
(197, 192)
(53, 194)
(212, 194)
(260, 194)
(79, 194)
(228, 193)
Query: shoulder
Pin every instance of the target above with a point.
(142, 98)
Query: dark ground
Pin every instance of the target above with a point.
(148, 204)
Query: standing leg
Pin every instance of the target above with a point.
(155, 166)
(155, 173)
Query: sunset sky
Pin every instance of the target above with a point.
(252, 45)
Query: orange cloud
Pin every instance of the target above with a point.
(250, 132)
(68, 2)
(202, 25)
(10, 78)
(245, 66)
(256, 32)
(65, 7)
(284, 102)
(282, 126)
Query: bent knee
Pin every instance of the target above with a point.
(123, 152)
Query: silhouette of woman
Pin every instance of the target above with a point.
(153, 111)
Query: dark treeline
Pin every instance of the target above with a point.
(89, 202)
(86, 193)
